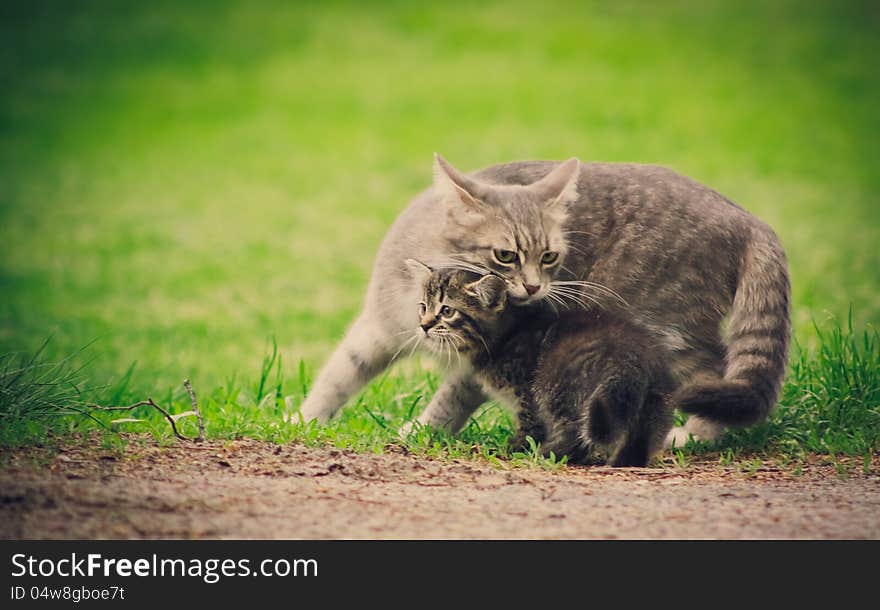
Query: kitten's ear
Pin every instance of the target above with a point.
(490, 289)
(451, 183)
(418, 270)
(559, 186)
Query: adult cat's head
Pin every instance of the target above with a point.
(513, 231)
(460, 311)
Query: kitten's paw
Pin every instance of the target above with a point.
(518, 443)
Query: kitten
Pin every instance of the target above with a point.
(591, 385)
(674, 254)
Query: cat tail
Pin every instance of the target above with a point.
(759, 329)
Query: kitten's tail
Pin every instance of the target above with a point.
(759, 328)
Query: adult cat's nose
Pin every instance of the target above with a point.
(531, 289)
(425, 327)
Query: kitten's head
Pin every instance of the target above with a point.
(513, 231)
(460, 310)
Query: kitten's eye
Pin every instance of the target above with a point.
(446, 311)
(549, 258)
(422, 309)
(504, 256)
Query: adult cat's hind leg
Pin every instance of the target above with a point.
(691, 366)
(365, 352)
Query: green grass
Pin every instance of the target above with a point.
(179, 182)
(830, 406)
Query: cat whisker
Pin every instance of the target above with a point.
(576, 249)
(553, 299)
(573, 302)
(485, 345)
(484, 268)
(445, 342)
(587, 284)
(573, 232)
(416, 346)
(460, 265)
(457, 342)
(572, 292)
(576, 296)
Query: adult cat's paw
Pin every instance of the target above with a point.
(677, 437)
(695, 428)
(408, 428)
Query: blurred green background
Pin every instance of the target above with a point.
(181, 181)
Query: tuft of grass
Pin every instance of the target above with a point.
(34, 391)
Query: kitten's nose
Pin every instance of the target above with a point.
(531, 289)
(425, 327)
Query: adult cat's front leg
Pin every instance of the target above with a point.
(455, 401)
(365, 352)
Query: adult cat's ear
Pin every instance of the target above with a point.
(559, 187)
(451, 183)
(490, 289)
(418, 270)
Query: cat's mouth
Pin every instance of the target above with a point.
(445, 343)
(518, 294)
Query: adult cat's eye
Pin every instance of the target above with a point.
(446, 311)
(504, 256)
(548, 258)
(422, 309)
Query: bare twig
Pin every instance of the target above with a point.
(149, 402)
(195, 406)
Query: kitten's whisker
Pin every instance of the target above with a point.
(457, 341)
(483, 341)
(402, 347)
(416, 345)
(445, 342)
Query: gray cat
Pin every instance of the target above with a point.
(676, 255)
(590, 385)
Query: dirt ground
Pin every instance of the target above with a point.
(249, 489)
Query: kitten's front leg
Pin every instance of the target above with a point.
(455, 401)
(365, 352)
(529, 423)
